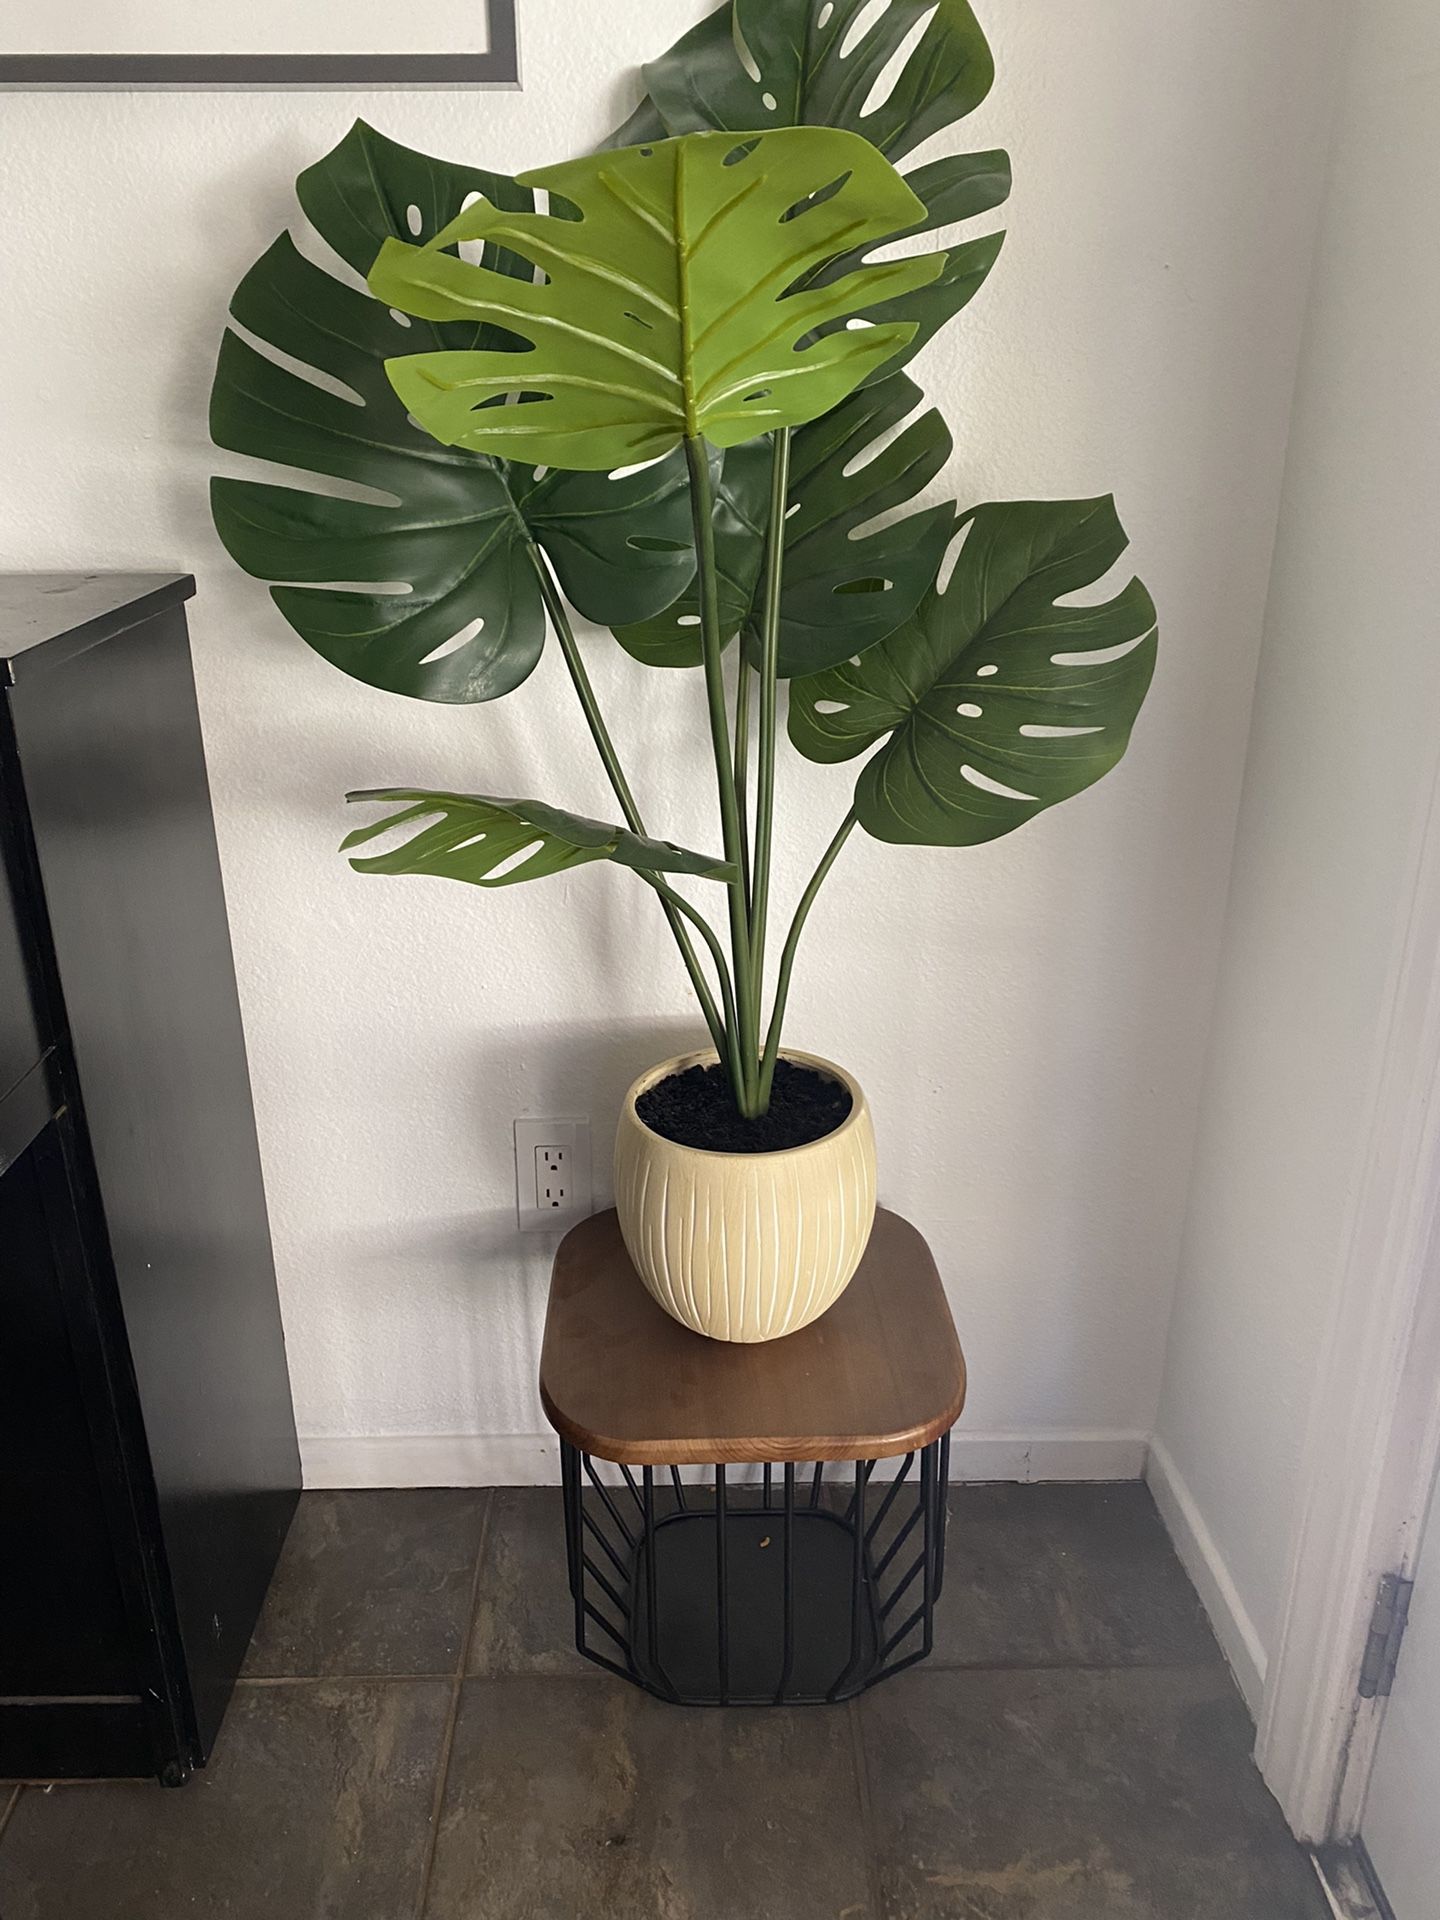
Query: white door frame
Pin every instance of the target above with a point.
(1374, 1435)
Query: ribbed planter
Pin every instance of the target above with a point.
(745, 1246)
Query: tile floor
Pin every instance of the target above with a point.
(413, 1737)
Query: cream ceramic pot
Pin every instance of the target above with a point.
(745, 1246)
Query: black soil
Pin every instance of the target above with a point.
(697, 1109)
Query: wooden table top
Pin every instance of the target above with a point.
(879, 1374)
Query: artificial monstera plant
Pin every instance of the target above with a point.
(663, 386)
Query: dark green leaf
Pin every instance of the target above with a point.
(844, 589)
(805, 79)
(472, 837)
(370, 188)
(960, 186)
(643, 127)
(742, 501)
(427, 587)
(998, 700)
(840, 594)
(445, 550)
(953, 189)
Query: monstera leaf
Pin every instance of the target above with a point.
(665, 309)
(953, 189)
(819, 62)
(811, 69)
(430, 587)
(999, 700)
(496, 843)
(843, 589)
(742, 504)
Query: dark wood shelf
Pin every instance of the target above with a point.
(880, 1374)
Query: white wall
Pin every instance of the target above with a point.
(1342, 764)
(1028, 1018)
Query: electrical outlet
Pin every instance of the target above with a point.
(552, 1174)
(552, 1179)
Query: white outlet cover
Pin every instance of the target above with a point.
(573, 1134)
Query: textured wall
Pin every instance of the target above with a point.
(1341, 773)
(1028, 1019)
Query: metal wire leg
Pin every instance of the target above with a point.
(787, 1665)
(722, 1584)
(587, 1577)
(857, 1583)
(929, 1481)
(570, 1485)
(652, 1608)
(944, 1498)
(854, 1602)
(928, 1515)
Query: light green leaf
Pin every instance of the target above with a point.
(999, 701)
(804, 64)
(666, 309)
(429, 588)
(475, 838)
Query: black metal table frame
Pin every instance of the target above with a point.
(630, 1543)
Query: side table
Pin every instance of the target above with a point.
(724, 1557)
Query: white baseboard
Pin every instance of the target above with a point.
(533, 1459)
(1205, 1564)
(431, 1460)
(1090, 1453)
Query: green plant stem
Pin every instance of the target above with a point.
(742, 761)
(600, 733)
(702, 505)
(725, 1041)
(769, 676)
(787, 957)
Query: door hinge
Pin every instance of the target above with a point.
(1387, 1630)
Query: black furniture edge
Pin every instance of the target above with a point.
(81, 610)
(143, 1386)
(28, 1108)
(95, 1322)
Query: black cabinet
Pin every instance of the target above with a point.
(20, 1043)
(148, 1463)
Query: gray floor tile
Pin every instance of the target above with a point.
(1075, 1796)
(1043, 1788)
(316, 1804)
(1065, 1575)
(568, 1799)
(524, 1619)
(372, 1583)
